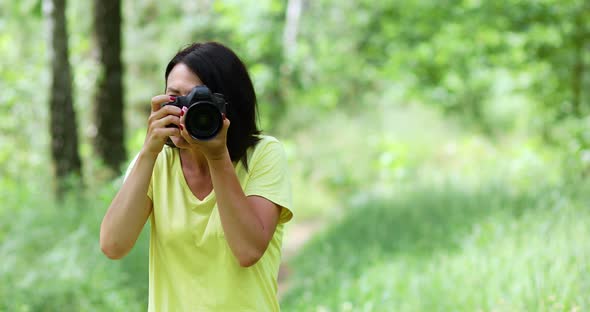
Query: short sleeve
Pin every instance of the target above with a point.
(269, 176)
(128, 171)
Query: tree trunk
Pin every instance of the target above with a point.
(292, 16)
(285, 62)
(63, 128)
(109, 142)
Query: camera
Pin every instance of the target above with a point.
(203, 119)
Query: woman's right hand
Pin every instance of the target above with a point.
(157, 132)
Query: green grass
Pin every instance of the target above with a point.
(451, 248)
(427, 247)
(51, 259)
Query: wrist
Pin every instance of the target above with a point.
(148, 155)
(220, 157)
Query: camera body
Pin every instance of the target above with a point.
(204, 117)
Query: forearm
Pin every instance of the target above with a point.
(244, 231)
(129, 210)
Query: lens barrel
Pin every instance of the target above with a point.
(203, 120)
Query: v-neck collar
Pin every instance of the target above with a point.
(184, 182)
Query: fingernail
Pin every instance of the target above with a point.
(172, 98)
(184, 109)
(181, 113)
(181, 127)
(223, 116)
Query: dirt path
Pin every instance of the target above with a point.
(296, 236)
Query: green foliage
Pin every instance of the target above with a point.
(499, 67)
(450, 247)
(484, 61)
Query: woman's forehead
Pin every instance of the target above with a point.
(182, 79)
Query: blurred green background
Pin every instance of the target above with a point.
(440, 150)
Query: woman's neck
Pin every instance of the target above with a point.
(194, 161)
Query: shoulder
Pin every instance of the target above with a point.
(265, 147)
(168, 152)
(266, 139)
(269, 175)
(166, 159)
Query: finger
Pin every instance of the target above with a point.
(184, 133)
(168, 120)
(165, 111)
(158, 100)
(164, 133)
(182, 126)
(225, 125)
(183, 115)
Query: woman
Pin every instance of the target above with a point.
(216, 207)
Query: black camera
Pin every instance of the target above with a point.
(204, 117)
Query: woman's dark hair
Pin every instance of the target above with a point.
(222, 71)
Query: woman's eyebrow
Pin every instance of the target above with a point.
(172, 90)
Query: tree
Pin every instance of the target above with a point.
(64, 137)
(293, 11)
(109, 142)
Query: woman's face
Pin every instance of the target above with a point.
(181, 81)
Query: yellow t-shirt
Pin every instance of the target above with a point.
(191, 267)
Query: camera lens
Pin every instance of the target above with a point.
(203, 120)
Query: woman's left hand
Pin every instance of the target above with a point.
(214, 148)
